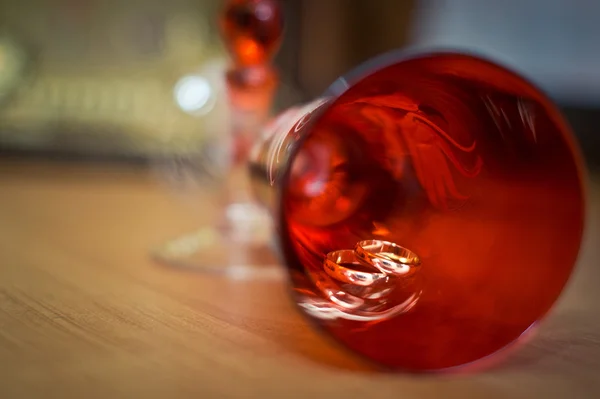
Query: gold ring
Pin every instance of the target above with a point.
(345, 267)
(388, 257)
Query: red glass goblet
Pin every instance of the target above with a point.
(239, 242)
(429, 207)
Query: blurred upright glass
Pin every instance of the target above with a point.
(239, 243)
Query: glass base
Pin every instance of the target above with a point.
(240, 246)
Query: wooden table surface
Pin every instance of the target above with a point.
(84, 312)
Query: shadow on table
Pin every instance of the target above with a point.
(564, 343)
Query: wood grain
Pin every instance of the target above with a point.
(84, 313)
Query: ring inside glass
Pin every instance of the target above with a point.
(346, 267)
(354, 288)
(388, 257)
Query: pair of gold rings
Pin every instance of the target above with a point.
(371, 262)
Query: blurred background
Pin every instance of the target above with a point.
(139, 79)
